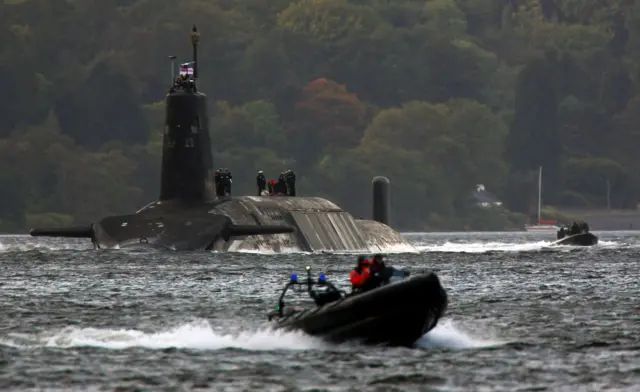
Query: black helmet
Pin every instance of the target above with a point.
(378, 259)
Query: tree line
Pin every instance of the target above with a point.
(437, 95)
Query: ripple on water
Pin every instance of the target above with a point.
(522, 316)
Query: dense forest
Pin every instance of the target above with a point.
(437, 95)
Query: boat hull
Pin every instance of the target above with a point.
(582, 239)
(397, 314)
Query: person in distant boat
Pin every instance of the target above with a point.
(261, 182)
(562, 232)
(584, 227)
(575, 229)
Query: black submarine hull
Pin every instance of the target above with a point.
(396, 314)
(582, 239)
(244, 223)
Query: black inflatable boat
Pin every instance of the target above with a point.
(582, 239)
(397, 313)
(576, 234)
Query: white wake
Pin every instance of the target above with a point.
(493, 246)
(447, 335)
(194, 335)
(199, 335)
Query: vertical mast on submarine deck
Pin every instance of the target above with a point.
(195, 39)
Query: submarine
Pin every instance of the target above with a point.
(190, 213)
(395, 314)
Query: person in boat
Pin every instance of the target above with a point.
(330, 294)
(360, 275)
(381, 274)
(575, 229)
(562, 232)
(377, 263)
(584, 226)
(377, 269)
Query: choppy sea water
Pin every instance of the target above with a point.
(523, 316)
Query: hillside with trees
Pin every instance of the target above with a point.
(437, 95)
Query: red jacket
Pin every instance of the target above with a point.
(359, 276)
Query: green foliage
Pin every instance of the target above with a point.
(327, 117)
(49, 219)
(492, 218)
(437, 95)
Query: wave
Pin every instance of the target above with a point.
(419, 243)
(448, 334)
(193, 335)
(200, 335)
(492, 246)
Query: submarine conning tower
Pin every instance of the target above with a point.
(187, 161)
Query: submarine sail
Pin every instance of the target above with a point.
(187, 162)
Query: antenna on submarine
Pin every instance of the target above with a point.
(173, 68)
(195, 39)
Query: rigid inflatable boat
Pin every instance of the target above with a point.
(397, 313)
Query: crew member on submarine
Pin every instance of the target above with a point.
(228, 179)
(290, 180)
(261, 181)
(222, 179)
(280, 187)
(217, 180)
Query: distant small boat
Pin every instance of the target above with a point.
(576, 235)
(543, 225)
(581, 239)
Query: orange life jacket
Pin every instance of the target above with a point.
(358, 276)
